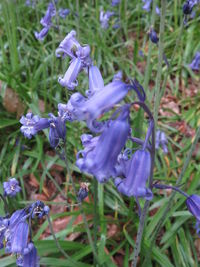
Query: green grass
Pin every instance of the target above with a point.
(30, 69)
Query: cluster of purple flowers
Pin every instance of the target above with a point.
(46, 21)
(105, 16)
(195, 64)
(147, 6)
(15, 233)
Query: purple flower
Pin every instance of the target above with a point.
(161, 140)
(32, 124)
(137, 174)
(188, 6)
(193, 205)
(3, 227)
(96, 82)
(63, 12)
(57, 130)
(147, 6)
(46, 20)
(115, 2)
(38, 209)
(42, 34)
(31, 3)
(70, 78)
(19, 239)
(153, 36)
(100, 154)
(104, 18)
(11, 188)
(68, 46)
(102, 101)
(195, 64)
(30, 259)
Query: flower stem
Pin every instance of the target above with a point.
(5, 204)
(80, 205)
(163, 186)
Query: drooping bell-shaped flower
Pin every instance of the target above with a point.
(104, 18)
(57, 129)
(193, 205)
(100, 158)
(69, 46)
(30, 259)
(137, 174)
(46, 20)
(11, 188)
(161, 140)
(188, 6)
(42, 34)
(195, 64)
(38, 209)
(70, 78)
(63, 13)
(115, 2)
(118, 76)
(32, 124)
(4, 222)
(96, 82)
(102, 101)
(19, 238)
(153, 36)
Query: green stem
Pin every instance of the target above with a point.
(160, 60)
(57, 243)
(5, 204)
(95, 230)
(80, 205)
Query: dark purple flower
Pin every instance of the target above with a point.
(153, 36)
(42, 34)
(195, 65)
(137, 174)
(46, 20)
(63, 12)
(32, 124)
(193, 205)
(30, 259)
(11, 188)
(96, 82)
(70, 78)
(100, 155)
(19, 239)
(57, 130)
(83, 192)
(188, 6)
(38, 209)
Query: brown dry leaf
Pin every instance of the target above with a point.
(40, 197)
(33, 181)
(12, 102)
(112, 230)
(73, 236)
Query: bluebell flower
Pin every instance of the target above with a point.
(30, 259)
(96, 82)
(136, 175)
(188, 6)
(63, 13)
(195, 64)
(32, 124)
(105, 17)
(38, 209)
(115, 2)
(100, 157)
(42, 34)
(69, 46)
(147, 6)
(102, 101)
(11, 188)
(161, 140)
(31, 3)
(153, 36)
(70, 78)
(19, 239)
(4, 222)
(83, 192)
(46, 20)
(193, 205)
(57, 130)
